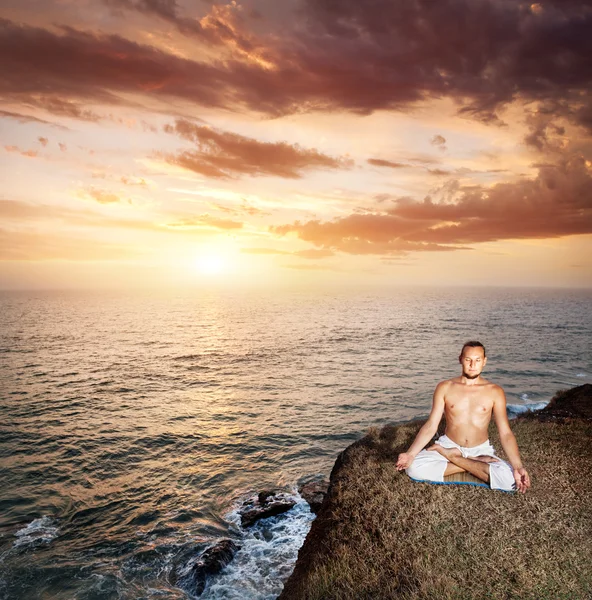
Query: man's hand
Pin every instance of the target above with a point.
(404, 461)
(522, 479)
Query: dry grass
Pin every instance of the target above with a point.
(379, 535)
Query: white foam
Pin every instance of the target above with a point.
(518, 409)
(266, 558)
(39, 531)
(524, 396)
(580, 374)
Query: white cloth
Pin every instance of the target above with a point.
(430, 465)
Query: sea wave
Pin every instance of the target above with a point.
(39, 532)
(519, 409)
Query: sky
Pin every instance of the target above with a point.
(155, 143)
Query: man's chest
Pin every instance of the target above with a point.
(468, 404)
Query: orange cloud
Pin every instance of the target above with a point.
(221, 154)
(558, 202)
(377, 162)
(312, 253)
(205, 220)
(17, 150)
(102, 196)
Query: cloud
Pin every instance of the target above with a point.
(43, 141)
(314, 253)
(17, 150)
(133, 181)
(50, 70)
(223, 25)
(205, 220)
(30, 245)
(27, 118)
(221, 154)
(102, 196)
(311, 253)
(63, 108)
(347, 55)
(439, 141)
(42, 215)
(558, 202)
(377, 162)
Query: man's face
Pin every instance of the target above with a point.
(472, 360)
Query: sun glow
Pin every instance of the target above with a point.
(211, 264)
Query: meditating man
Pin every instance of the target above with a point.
(467, 402)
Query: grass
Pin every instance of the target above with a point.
(379, 535)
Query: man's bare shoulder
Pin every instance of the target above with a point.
(445, 385)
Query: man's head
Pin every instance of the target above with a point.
(472, 359)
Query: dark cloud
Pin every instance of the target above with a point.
(57, 71)
(558, 202)
(222, 154)
(223, 25)
(347, 55)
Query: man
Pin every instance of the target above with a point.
(467, 402)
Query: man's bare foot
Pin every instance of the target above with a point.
(486, 459)
(445, 452)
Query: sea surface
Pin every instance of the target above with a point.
(133, 425)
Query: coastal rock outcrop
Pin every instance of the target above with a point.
(210, 562)
(268, 503)
(380, 535)
(575, 403)
(314, 493)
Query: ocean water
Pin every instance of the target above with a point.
(133, 425)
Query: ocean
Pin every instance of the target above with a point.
(133, 425)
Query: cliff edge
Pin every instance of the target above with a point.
(379, 535)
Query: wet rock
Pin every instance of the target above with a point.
(211, 561)
(267, 504)
(314, 493)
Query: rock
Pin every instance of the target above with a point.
(575, 403)
(265, 494)
(212, 561)
(268, 504)
(314, 493)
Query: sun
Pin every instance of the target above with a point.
(211, 264)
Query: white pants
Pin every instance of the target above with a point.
(430, 465)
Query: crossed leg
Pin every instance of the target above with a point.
(478, 466)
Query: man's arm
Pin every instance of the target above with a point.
(428, 429)
(508, 440)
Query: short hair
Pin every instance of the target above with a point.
(473, 344)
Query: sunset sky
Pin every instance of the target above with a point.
(173, 142)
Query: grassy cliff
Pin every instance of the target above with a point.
(380, 535)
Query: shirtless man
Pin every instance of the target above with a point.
(468, 402)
